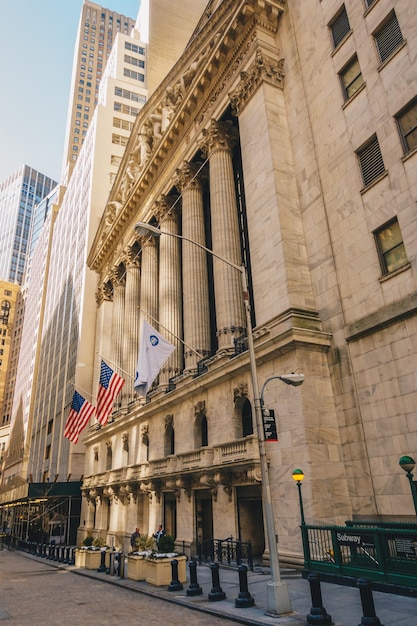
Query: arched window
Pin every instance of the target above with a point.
(169, 447)
(247, 423)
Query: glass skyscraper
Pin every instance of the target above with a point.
(19, 194)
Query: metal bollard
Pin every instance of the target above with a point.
(216, 592)
(175, 583)
(318, 615)
(369, 617)
(71, 560)
(194, 588)
(121, 564)
(244, 599)
(102, 567)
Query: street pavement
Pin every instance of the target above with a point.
(342, 603)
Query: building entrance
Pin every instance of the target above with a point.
(204, 516)
(250, 518)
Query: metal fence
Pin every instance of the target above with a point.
(226, 551)
(380, 554)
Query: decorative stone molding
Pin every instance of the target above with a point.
(200, 408)
(219, 136)
(125, 441)
(104, 293)
(168, 421)
(166, 206)
(118, 276)
(241, 391)
(263, 69)
(190, 176)
(131, 257)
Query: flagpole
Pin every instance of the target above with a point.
(116, 366)
(171, 333)
(81, 389)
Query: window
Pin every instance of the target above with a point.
(407, 126)
(351, 78)
(339, 26)
(388, 37)
(369, 3)
(370, 160)
(390, 247)
(118, 139)
(134, 75)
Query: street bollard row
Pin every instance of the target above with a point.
(244, 599)
(318, 615)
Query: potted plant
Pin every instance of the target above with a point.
(158, 564)
(136, 564)
(80, 553)
(93, 555)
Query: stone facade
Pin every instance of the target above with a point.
(248, 148)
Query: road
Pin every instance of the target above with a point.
(33, 593)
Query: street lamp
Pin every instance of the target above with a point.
(298, 476)
(278, 600)
(407, 463)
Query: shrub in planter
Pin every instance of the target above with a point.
(88, 541)
(144, 543)
(99, 542)
(166, 544)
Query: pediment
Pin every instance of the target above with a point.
(178, 110)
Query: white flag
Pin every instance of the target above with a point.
(154, 350)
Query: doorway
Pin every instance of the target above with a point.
(250, 518)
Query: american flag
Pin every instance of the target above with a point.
(109, 386)
(78, 417)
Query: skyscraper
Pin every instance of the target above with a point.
(97, 31)
(19, 193)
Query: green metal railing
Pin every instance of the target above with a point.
(387, 554)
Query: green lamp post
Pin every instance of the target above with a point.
(407, 463)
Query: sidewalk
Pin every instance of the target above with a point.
(342, 603)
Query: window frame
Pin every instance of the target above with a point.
(382, 254)
(364, 155)
(337, 20)
(403, 135)
(345, 87)
(390, 20)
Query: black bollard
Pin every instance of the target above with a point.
(110, 569)
(194, 589)
(175, 582)
(71, 560)
(369, 617)
(216, 592)
(244, 599)
(318, 615)
(102, 567)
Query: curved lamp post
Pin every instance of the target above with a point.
(278, 600)
(407, 463)
(298, 476)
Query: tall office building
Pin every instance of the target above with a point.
(19, 194)
(96, 34)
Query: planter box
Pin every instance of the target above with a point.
(159, 571)
(92, 559)
(80, 557)
(136, 568)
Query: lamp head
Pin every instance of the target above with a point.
(298, 475)
(293, 379)
(143, 229)
(407, 463)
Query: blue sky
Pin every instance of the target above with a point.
(38, 38)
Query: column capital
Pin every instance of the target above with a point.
(131, 257)
(118, 275)
(190, 176)
(219, 136)
(263, 69)
(166, 206)
(104, 293)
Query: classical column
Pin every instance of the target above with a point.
(118, 278)
(170, 297)
(218, 143)
(196, 312)
(149, 285)
(131, 320)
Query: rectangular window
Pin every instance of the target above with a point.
(351, 78)
(134, 75)
(407, 126)
(388, 37)
(390, 247)
(119, 139)
(370, 160)
(339, 26)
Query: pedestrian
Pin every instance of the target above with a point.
(160, 532)
(135, 538)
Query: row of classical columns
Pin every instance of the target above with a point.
(158, 288)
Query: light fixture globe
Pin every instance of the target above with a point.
(407, 463)
(298, 475)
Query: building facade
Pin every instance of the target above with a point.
(97, 31)
(19, 193)
(283, 139)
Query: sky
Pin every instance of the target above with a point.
(36, 53)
